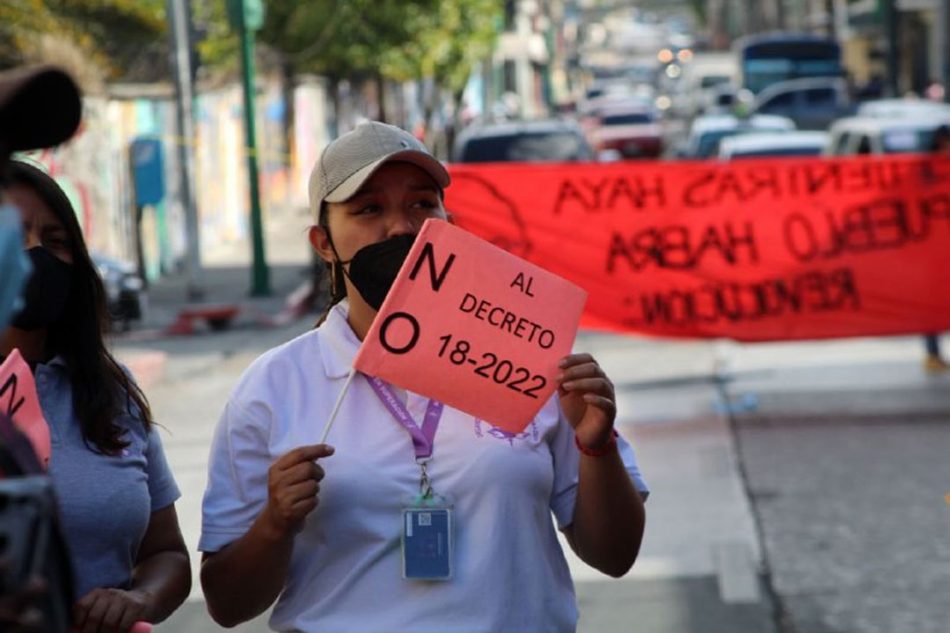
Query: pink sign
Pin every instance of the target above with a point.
(474, 327)
(19, 401)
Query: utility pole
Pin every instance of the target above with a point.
(832, 20)
(179, 11)
(247, 16)
(891, 17)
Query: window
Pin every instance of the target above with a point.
(895, 141)
(510, 75)
(840, 146)
(710, 81)
(511, 10)
(780, 151)
(819, 96)
(633, 118)
(778, 102)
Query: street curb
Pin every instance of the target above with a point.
(846, 407)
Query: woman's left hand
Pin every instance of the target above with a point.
(587, 399)
(110, 611)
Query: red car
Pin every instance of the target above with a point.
(633, 130)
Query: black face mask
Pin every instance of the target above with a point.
(374, 267)
(46, 292)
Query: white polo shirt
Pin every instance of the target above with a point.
(509, 573)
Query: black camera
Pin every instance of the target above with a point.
(27, 511)
(30, 546)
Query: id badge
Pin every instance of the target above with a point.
(427, 542)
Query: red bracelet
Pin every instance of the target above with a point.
(597, 452)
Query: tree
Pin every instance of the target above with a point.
(122, 37)
(358, 40)
(448, 44)
(341, 39)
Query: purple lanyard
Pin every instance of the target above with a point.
(422, 439)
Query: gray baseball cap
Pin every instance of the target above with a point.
(349, 161)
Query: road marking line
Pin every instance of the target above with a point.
(736, 569)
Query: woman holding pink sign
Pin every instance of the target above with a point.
(116, 494)
(419, 516)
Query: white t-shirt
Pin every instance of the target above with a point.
(509, 573)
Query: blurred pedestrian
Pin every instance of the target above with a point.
(116, 493)
(934, 361)
(941, 140)
(935, 92)
(331, 552)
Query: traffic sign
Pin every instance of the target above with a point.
(253, 14)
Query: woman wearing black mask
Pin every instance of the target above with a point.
(330, 552)
(115, 490)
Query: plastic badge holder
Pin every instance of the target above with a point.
(427, 543)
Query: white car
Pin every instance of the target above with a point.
(762, 144)
(707, 131)
(883, 135)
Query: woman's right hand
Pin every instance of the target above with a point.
(293, 482)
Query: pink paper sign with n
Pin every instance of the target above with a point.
(473, 326)
(19, 401)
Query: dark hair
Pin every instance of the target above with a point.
(334, 284)
(102, 391)
(941, 134)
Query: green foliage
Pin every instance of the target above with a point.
(217, 44)
(20, 22)
(448, 41)
(400, 39)
(113, 32)
(699, 9)
(338, 38)
(397, 39)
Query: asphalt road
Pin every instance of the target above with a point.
(855, 519)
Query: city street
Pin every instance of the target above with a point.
(796, 487)
(698, 172)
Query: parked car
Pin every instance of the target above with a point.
(881, 135)
(547, 141)
(812, 103)
(707, 131)
(763, 144)
(125, 289)
(632, 129)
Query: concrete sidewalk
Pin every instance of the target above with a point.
(225, 279)
(143, 349)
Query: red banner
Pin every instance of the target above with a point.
(770, 249)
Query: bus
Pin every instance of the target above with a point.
(769, 58)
